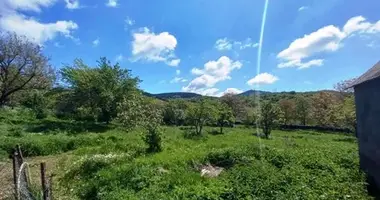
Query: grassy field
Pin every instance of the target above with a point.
(93, 161)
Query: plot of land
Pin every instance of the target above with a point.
(113, 164)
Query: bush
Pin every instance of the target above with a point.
(153, 139)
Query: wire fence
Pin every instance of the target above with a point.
(23, 187)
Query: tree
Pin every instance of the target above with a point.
(237, 105)
(344, 86)
(224, 116)
(349, 112)
(174, 112)
(287, 107)
(200, 113)
(268, 117)
(22, 66)
(302, 109)
(97, 91)
(37, 102)
(136, 110)
(325, 109)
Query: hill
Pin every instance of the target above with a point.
(174, 95)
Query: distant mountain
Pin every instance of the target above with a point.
(253, 92)
(248, 93)
(174, 95)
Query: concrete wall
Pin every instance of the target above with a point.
(367, 99)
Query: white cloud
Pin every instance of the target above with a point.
(212, 73)
(36, 31)
(326, 39)
(96, 42)
(303, 8)
(25, 5)
(173, 63)
(12, 20)
(112, 3)
(223, 44)
(153, 47)
(128, 21)
(119, 58)
(230, 91)
(178, 80)
(297, 63)
(226, 44)
(177, 72)
(72, 4)
(263, 78)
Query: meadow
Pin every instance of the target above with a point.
(97, 161)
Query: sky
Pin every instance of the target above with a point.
(208, 47)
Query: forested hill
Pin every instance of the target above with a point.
(248, 93)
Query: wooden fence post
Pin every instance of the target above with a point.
(15, 171)
(45, 192)
(21, 161)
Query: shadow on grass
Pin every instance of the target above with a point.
(349, 140)
(71, 127)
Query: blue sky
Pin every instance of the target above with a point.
(208, 46)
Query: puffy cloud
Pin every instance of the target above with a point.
(226, 44)
(152, 47)
(36, 31)
(12, 20)
(96, 42)
(25, 5)
(173, 63)
(326, 39)
(230, 91)
(303, 8)
(72, 4)
(178, 80)
(263, 78)
(112, 3)
(212, 73)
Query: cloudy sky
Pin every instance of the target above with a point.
(208, 46)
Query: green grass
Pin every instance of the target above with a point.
(108, 163)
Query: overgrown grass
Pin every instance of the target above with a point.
(113, 164)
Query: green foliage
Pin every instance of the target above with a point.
(136, 110)
(316, 167)
(225, 116)
(302, 109)
(269, 114)
(175, 112)
(37, 102)
(97, 91)
(23, 67)
(200, 114)
(287, 110)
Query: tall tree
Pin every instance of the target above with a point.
(237, 105)
(325, 109)
(98, 90)
(302, 109)
(269, 113)
(287, 107)
(22, 66)
(224, 116)
(200, 113)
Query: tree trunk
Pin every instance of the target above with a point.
(221, 129)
